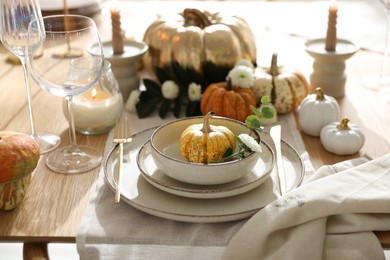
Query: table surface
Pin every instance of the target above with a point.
(55, 203)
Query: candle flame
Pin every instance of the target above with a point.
(94, 93)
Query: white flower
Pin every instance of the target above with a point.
(170, 89)
(241, 76)
(246, 63)
(250, 142)
(133, 101)
(194, 91)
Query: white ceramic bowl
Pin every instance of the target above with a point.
(167, 157)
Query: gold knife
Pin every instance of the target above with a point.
(275, 133)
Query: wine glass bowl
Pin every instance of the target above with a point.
(67, 68)
(15, 17)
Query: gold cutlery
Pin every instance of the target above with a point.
(275, 133)
(122, 134)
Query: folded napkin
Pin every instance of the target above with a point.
(331, 216)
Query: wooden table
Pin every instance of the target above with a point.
(54, 205)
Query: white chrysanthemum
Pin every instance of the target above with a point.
(170, 89)
(250, 142)
(132, 101)
(246, 63)
(194, 91)
(241, 76)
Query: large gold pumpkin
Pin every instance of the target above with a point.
(197, 46)
(286, 87)
(205, 143)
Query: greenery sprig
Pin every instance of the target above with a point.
(246, 143)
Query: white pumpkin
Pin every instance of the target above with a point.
(316, 111)
(342, 138)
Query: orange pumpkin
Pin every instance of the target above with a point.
(228, 101)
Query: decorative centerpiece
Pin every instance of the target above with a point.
(19, 156)
(196, 46)
(124, 55)
(329, 56)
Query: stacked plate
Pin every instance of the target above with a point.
(148, 189)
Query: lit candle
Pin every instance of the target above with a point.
(331, 34)
(96, 110)
(117, 32)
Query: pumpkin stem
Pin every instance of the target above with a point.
(229, 85)
(206, 125)
(320, 94)
(344, 124)
(274, 65)
(195, 17)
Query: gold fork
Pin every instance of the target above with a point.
(122, 134)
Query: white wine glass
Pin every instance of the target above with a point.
(65, 74)
(382, 81)
(15, 16)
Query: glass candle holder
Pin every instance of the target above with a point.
(96, 110)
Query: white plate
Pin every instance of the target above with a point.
(139, 193)
(251, 180)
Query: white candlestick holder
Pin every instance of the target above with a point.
(329, 66)
(125, 65)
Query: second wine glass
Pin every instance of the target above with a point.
(72, 62)
(15, 17)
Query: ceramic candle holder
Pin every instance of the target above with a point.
(97, 110)
(125, 65)
(329, 66)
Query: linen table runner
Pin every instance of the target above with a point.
(119, 231)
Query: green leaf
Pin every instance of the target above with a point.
(165, 105)
(252, 122)
(268, 112)
(228, 152)
(265, 100)
(255, 111)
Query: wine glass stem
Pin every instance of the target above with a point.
(28, 91)
(72, 131)
(387, 47)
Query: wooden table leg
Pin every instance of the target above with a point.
(35, 251)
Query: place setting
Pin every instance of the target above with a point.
(148, 188)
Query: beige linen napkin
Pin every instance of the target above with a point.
(331, 216)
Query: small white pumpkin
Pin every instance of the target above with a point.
(342, 138)
(316, 111)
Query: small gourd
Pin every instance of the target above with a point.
(342, 138)
(205, 143)
(286, 87)
(228, 101)
(316, 111)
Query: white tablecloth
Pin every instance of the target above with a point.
(119, 231)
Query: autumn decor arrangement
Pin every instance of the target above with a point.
(19, 156)
(196, 46)
(286, 87)
(232, 98)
